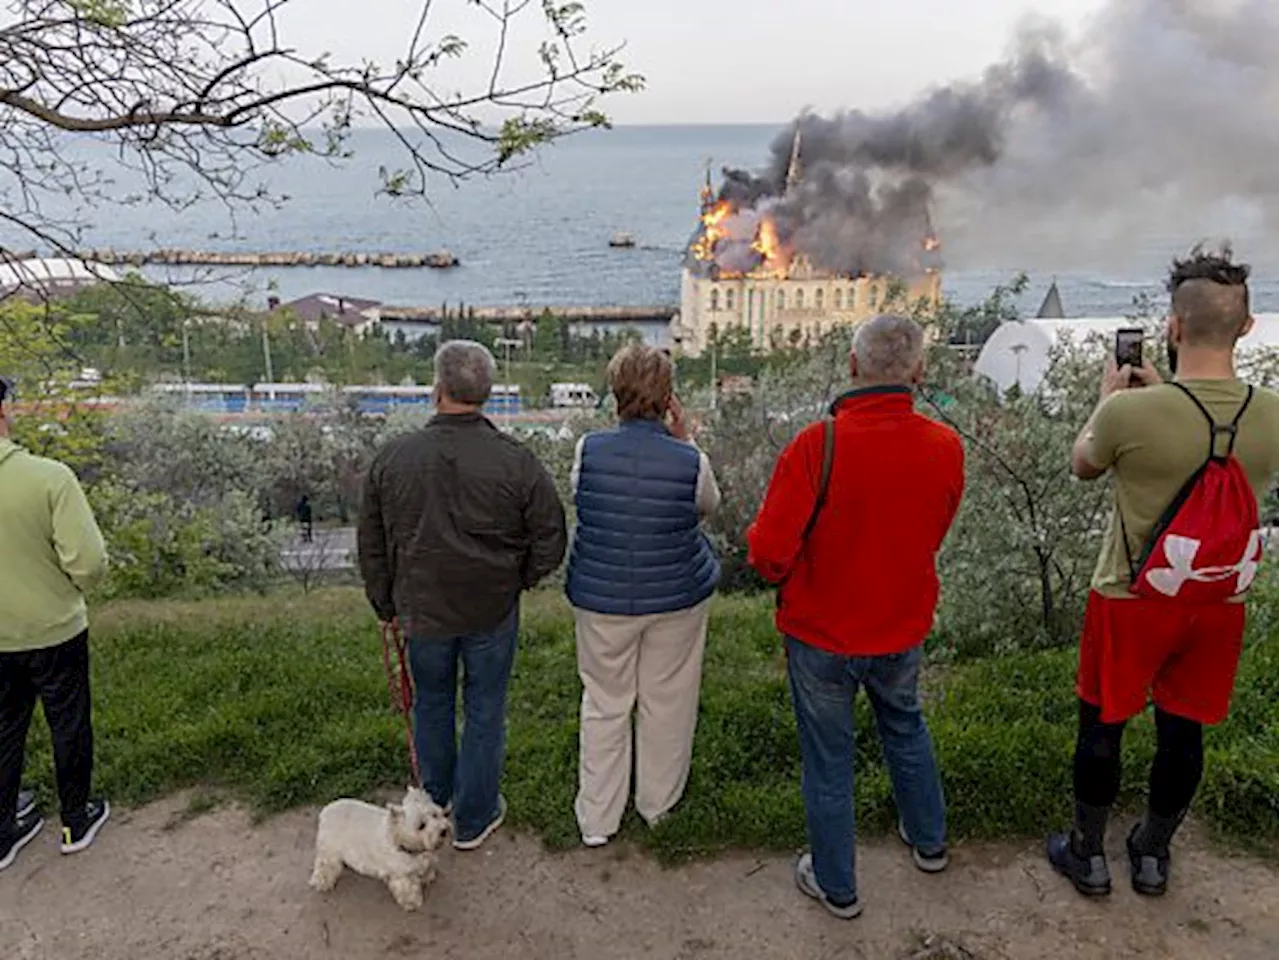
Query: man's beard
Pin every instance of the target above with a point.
(1171, 349)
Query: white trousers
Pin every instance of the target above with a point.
(651, 665)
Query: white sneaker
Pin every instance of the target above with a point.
(593, 840)
(808, 884)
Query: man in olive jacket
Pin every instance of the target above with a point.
(53, 552)
(456, 520)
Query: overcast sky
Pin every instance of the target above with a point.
(720, 61)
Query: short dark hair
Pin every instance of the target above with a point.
(1202, 265)
(1209, 294)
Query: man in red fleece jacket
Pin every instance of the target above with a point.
(858, 597)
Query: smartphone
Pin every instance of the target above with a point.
(1129, 347)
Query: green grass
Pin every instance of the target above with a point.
(281, 701)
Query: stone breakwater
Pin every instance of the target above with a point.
(439, 260)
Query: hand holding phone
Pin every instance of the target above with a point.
(1129, 348)
(1126, 368)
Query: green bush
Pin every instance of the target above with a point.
(161, 546)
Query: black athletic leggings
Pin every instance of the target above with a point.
(1175, 773)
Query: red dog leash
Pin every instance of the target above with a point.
(400, 687)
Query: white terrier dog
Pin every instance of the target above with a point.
(395, 844)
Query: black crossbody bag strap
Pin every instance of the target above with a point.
(824, 478)
(824, 481)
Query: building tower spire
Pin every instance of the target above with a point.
(708, 195)
(793, 168)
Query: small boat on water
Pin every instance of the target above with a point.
(622, 240)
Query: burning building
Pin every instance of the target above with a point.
(771, 257)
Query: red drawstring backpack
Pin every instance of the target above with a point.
(1207, 545)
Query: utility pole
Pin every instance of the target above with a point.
(506, 343)
(715, 387)
(186, 357)
(266, 351)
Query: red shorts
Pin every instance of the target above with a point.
(1183, 656)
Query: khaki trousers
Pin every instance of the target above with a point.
(651, 665)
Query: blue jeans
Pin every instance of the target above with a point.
(823, 686)
(467, 778)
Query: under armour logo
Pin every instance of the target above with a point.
(1181, 555)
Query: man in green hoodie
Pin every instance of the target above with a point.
(53, 553)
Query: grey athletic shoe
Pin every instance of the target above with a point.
(1149, 870)
(928, 862)
(808, 884)
(26, 803)
(474, 843)
(1089, 875)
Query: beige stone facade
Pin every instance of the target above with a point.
(794, 309)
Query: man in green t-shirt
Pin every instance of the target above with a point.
(1151, 438)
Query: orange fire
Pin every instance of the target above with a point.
(712, 231)
(776, 257)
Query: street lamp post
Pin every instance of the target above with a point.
(506, 343)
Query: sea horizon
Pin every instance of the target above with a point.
(539, 236)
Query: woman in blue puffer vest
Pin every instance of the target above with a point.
(641, 576)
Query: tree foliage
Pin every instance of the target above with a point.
(195, 96)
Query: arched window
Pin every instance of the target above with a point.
(839, 299)
(715, 300)
(853, 298)
(782, 299)
(799, 299)
(817, 299)
(728, 299)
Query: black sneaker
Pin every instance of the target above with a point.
(26, 803)
(79, 833)
(1090, 875)
(1150, 871)
(23, 832)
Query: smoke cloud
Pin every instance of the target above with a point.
(1155, 128)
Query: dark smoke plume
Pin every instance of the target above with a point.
(1157, 125)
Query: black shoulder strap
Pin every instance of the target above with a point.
(1215, 428)
(824, 478)
(824, 481)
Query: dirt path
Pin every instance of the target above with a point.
(217, 888)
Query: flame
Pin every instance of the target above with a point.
(776, 258)
(931, 260)
(712, 230)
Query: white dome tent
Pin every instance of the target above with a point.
(1018, 351)
(51, 276)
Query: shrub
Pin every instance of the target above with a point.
(160, 545)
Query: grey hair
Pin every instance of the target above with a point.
(888, 348)
(465, 370)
